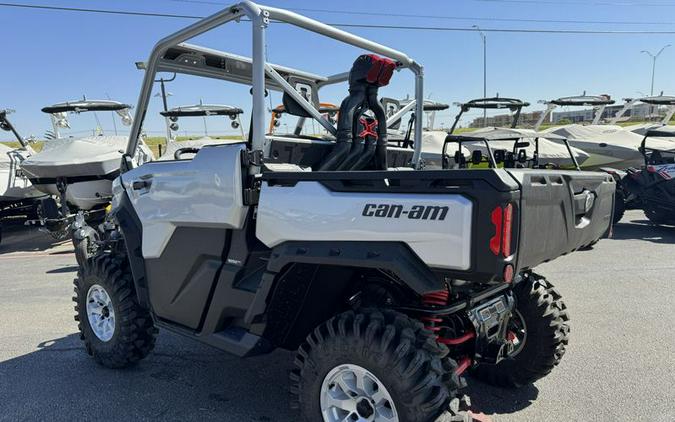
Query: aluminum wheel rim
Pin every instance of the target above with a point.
(352, 393)
(100, 313)
(519, 329)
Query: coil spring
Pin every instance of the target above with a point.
(452, 326)
(439, 298)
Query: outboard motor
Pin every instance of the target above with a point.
(361, 140)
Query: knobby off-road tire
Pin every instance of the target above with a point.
(83, 250)
(398, 351)
(619, 206)
(658, 216)
(133, 335)
(546, 335)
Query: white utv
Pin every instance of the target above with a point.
(390, 281)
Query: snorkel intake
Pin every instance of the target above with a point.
(361, 140)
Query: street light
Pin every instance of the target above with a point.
(484, 38)
(654, 57)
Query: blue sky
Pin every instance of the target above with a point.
(52, 56)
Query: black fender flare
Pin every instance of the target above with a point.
(395, 257)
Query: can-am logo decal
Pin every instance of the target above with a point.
(415, 212)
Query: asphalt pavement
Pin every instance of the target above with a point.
(619, 366)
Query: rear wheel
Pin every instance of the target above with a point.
(619, 206)
(538, 330)
(372, 366)
(658, 216)
(115, 329)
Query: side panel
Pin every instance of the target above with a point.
(437, 227)
(203, 192)
(180, 281)
(188, 210)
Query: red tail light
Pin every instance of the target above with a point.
(496, 241)
(502, 219)
(506, 236)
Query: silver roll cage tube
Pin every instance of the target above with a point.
(172, 54)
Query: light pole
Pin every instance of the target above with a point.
(654, 57)
(484, 38)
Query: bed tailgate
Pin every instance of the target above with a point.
(561, 211)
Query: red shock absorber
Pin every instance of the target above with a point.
(439, 298)
(432, 323)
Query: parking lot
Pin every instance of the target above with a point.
(619, 365)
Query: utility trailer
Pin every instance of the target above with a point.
(391, 283)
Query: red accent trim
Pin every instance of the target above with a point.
(375, 68)
(464, 364)
(496, 241)
(506, 236)
(508, 273)
(381, 70)
(387, 71)
(459, 340)
(369, 128)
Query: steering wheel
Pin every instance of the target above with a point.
(186, 150)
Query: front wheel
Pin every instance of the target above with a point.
(372, 366)
(115, 329)
(538, 331)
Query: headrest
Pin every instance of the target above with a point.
(371, 69)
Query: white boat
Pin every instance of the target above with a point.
(175, 149)
(401, 130)
(15, 188)
(608, 145)
(81, 170)
(667, 101)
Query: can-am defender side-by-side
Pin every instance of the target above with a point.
(550, 150)
(509, 148)
(391, 284)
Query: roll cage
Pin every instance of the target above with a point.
(173, 54)
(496, 157)
(494, 103)
(659, 100)
(654, 156)
(598, 102)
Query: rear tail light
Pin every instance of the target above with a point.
(496, 241)
(502, 219)
(506, 236)
(508, 273)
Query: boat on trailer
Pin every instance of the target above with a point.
(16, 192)
(176, 150)
(80, 171)
(608, 145)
